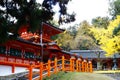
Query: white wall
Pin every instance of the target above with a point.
(7, 70)
(20, 69)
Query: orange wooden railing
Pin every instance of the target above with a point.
(63, 64)
(50, 67)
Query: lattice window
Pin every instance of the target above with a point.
(2, 49)
(15, 52)
(29, 55)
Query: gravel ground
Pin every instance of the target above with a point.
(116, 76)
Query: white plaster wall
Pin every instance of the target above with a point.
(5, 70)
(20, 69)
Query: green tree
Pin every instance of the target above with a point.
(77, 37)
(64, 40)
(116, 30)
(73, 30)
(101, 22)
(83, 38)
(83, 43)
(114, 9)
(83, 28)
(16, 13)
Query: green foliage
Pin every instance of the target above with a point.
(83, 40)
(73, 30)
(84, 43)
(55, 76)
(54, 37)
(83, 28)
(77, 38)
(3, 29)
(114, 9)
(116, 31)
(17, 13)
(101, 22)
(77, 76)
(64, 40)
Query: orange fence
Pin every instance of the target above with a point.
(63, 64)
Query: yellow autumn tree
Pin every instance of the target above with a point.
(105, 38)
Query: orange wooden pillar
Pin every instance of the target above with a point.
(63, 63)
(83, 68)
(85, 65)
(55, 62)
(70, 64)
(73, 65)
(80, 65)
(72, 60)
(49, 63)
(30, 72)
(77, 65)
(90, 67)
(13, 68)
(41, 70)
